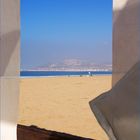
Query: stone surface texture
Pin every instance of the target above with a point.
(9, 67)
(118, 110)
(126, 37)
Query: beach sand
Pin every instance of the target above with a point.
(61, 104)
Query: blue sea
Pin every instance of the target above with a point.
(62, 73)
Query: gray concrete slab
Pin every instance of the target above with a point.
(9, 67)
(118, 110)
(9, 37)
(126, 37)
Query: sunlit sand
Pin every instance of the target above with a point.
(61, 104)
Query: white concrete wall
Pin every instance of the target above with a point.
(118, 110)
(126, 36)
(9, 67)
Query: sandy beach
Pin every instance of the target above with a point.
(61, 104)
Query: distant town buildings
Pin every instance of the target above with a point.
(74, 65)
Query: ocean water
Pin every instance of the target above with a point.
(62, 73)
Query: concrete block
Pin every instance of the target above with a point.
(126, 37)
(9, 37)
(9, 97)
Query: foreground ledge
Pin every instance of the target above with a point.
(35, 133)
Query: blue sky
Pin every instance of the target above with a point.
(55, 30)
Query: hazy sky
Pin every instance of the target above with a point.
(54, 30)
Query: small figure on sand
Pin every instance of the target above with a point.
(89, 73)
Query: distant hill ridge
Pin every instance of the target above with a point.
(74, 65)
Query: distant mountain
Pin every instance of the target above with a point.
(75, 65)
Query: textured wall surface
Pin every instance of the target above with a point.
(126, 36)
(9, 67)
(118, 110)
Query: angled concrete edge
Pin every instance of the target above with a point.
(101, 118)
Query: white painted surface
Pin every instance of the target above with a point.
(119, 4)
(118, 110)
(9, 67)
